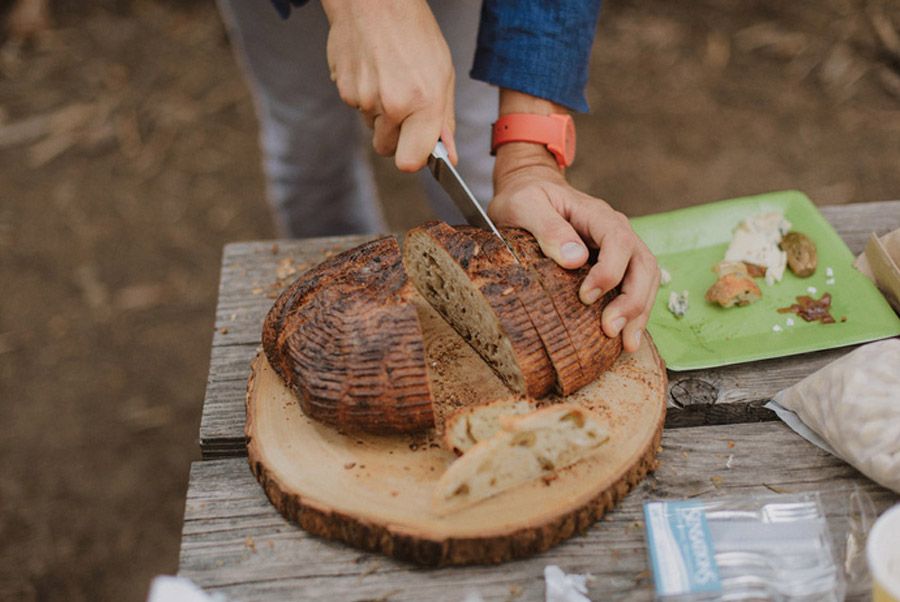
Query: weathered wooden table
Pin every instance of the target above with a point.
(718, 440)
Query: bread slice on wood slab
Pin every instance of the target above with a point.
(525, 448)
(346, 338)
(467, 426)
(473, 284)
(596, 352)
(544, 317)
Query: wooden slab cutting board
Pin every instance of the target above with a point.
(374, 492)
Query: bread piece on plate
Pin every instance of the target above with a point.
(467, 426)
(596, 351)
(526, 448)
(345, 337)
(544, 317)
(735, 286)
(473, 284)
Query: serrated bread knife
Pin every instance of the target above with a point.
(453, 184)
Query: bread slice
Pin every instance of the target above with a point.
(735, 285)
(596, 352)
(545, 319)
(470, 425)
(526, 448)
(346, 338)
(473, 284)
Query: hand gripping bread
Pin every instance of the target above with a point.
(345, 337)
(596, 352)
(473, 283)
(525, 448)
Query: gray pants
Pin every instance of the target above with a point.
(315, 148)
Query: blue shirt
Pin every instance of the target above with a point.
(540, 47)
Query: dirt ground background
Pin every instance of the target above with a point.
(128, 158)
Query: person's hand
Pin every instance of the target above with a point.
(390, 61)
(531, 192)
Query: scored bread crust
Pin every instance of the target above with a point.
(346, 339)
(492, 275)
(543, 315)
(596, 352)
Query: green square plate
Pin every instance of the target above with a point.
(688, 242)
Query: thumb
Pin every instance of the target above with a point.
(557, 238)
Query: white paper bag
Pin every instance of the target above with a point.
(853, 404)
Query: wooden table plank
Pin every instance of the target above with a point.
(251, 272)
(235, 542)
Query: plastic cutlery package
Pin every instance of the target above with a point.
(761, 547)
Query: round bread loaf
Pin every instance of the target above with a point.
(345, 337)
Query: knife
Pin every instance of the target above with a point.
(453, 184)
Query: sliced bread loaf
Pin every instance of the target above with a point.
(524, 449)
(345, 337)
(544, 317)
(473, 284)
(596, 351)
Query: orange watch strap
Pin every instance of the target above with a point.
(556, 132)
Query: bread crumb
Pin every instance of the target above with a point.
(730, 444)
(223, 330)
(812, 290)
(249, 543)
(349, 465)
(789, 321)
(664, 276)
(274, 248)
(729, 461)
(829, 272)
(776, 328)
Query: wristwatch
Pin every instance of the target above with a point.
(556, 132)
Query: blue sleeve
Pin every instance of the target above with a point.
(537, 47)
(284, 6)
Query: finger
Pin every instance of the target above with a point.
(450, 143)
(387, 132)
(448, 132)
(615, 253)
(637, 286)
(347, 90)
(634, 330)
(418, 134)
(556, 236)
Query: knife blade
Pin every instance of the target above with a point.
(443, 171)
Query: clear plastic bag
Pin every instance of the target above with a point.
(769, 547)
